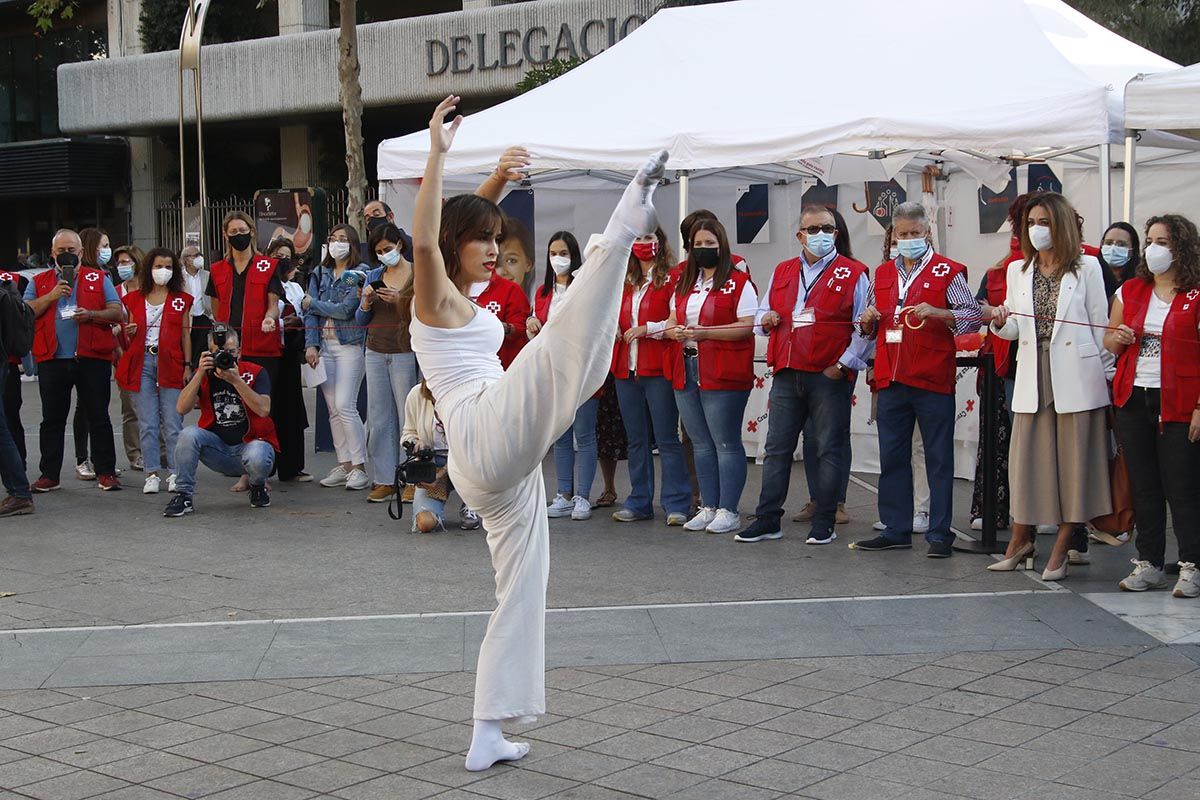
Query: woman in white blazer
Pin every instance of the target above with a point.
(1058, 457)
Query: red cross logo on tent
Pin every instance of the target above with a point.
(941, 270)
(728, 287)
(178, 304)
(841, 273)
(493, 307)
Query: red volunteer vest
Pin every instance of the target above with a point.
(541, 303)
(924, 358)
(505, 299)
(813, 348)
(723, 365)
(1180, 357)
(95, 338)
(1001, 349)
(170, 342)
(259, 427)
(259, 273)
(654, 307)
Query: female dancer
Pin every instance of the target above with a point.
(497, 467)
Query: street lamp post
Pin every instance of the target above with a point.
(189, 59)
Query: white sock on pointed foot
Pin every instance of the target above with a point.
(634, 215)
(488, 746)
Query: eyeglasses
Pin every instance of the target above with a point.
(813, 230)
(341, 239)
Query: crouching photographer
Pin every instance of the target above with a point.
(424, 440)
(234, 435)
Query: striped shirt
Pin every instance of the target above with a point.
(968, 316)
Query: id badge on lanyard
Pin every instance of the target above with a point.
(803, 316)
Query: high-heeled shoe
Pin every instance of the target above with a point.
(1056, 574)
(1028, 551)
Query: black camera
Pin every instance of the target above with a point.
(418, 467)
(222, 359)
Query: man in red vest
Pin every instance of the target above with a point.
(75, 307)
(234, 435)
(917, 304)
(809, 310)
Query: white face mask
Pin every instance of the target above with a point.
(339, 250)
(894, 252)
(198, 262)
(560, 264)
(161, 275)
(1040, 238)
(1159, 258)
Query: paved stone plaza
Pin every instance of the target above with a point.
(316, 649)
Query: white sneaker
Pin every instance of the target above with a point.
(85, 471)
(357, 480)
(1188, 584)
(336, 477)
(879, 526)
(725, 521)
(977, 524)
(920, 522)
(171, 482)
(582, 509)
(1145, 576)
(151, 485)
(28, 378)
(561, 507)
(676, 519)
(702, 520)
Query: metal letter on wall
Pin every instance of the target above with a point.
(189, 59)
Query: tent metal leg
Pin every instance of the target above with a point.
(1130, 171)
(1105, 187)
(683, 205)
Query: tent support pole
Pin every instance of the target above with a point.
(1105, 187)
(1130, 170)
(683, 202)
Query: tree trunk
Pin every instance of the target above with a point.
(351, 95)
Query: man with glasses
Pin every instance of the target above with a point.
(808, 311)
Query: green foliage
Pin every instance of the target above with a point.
(1170, 28)
(544, 73)
(44, 12)
(228, 21)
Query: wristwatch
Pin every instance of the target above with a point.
(842, 369)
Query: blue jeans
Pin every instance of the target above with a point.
(155, 408)
(423, 502)
(811, 402)
(635, 396)
(899, 408)
(253, 459)
(713, 419)
(581, 435)
(810, 457)
(390, 377)
(12, 465)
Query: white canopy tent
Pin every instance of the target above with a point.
(739, 84)
(1168, 101)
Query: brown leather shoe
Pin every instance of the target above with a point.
(841, 517)
(16, 506)
(806, 513)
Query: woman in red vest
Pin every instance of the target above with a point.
(1155, 334)
(711, 366)
(246, 289)
(157, 359)
(638, 368)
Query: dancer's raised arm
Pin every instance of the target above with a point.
(434, 292)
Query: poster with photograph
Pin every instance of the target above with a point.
(296, 214)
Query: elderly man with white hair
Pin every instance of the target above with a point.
(75, 307)
(916, 305)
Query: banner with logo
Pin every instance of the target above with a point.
(882, 199)
(994, 206)
(753, 213)
(820, 195)
(296, 214)
(1043, 179)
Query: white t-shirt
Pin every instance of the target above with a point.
(653, 329)
(477, 289)
(746, 307)
(560, 292)
(154, 316)
(1148, 374)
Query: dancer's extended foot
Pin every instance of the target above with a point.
(634, 216)
(488, 746)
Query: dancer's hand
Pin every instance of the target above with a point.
(441, 136)
(511, 164)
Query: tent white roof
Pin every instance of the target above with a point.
(774, 81)
(1168, 101)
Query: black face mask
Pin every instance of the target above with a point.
(239, 241)
(66, 260)
(706, 257)
(375, 222)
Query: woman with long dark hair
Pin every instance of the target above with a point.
(288, 411)
(712, 370)
(1155, 334)
(1120, 251)
(500, 424)
(157, 361)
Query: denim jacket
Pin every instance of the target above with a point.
(335, 300)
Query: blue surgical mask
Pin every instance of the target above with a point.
(820, 244)
(124, 271)
(104, 255)
(1115, 254)
(912, 249)
(390, 259)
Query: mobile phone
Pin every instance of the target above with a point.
(377, 285)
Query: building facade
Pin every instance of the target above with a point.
(272, 112)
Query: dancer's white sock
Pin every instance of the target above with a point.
(634, 216)
(488, 746)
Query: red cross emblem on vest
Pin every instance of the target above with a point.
(248, 378)
(6, 276)
(941, 270)
(264, 266)
(728, 287)
(1193, 294)
(178, 304)
(841, 273)
(493, 307)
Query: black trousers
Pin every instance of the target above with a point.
(91, 378)
(201, 328)
(12, 408)
(1164, 469)
(287, 407)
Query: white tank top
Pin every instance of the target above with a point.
(451, 357)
